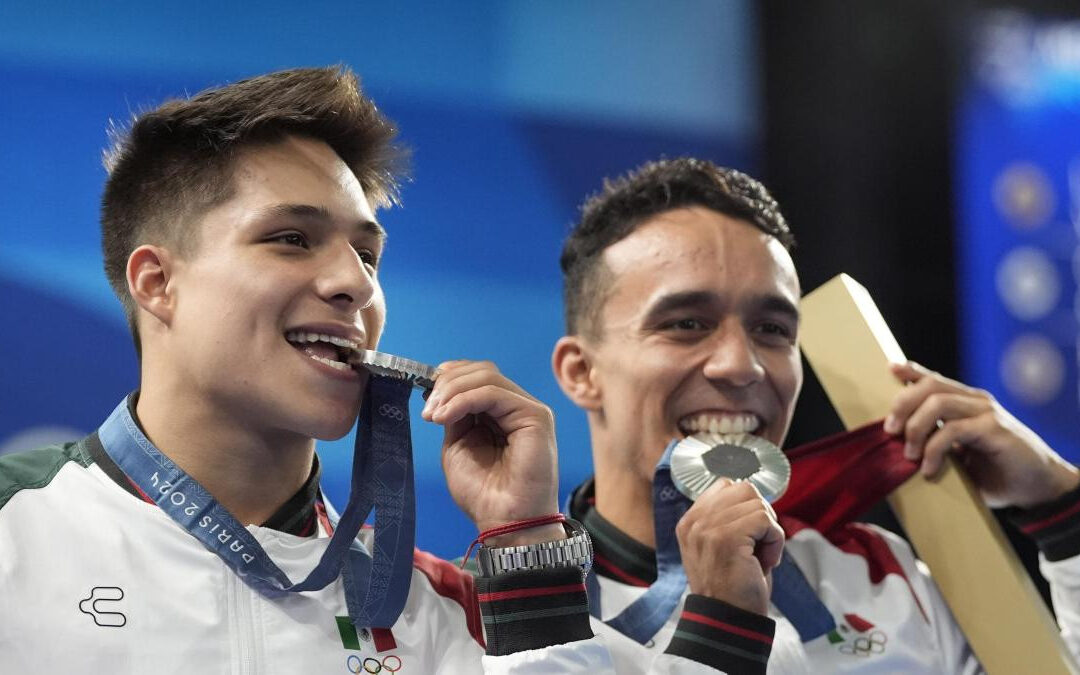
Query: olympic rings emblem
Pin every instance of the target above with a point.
(668, 493)
(391, 663)
(865, 646)
(391, 411)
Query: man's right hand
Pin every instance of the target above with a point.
(730, 542)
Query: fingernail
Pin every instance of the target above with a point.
(890, 424)
(909, 451)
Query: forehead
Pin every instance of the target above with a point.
(299, 170)
(696, 249)
(294, 176)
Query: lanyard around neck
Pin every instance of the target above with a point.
(377, 586)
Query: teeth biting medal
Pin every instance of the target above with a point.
(420, 375)
(700, 460)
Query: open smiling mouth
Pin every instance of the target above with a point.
(344, 355)
(719, 423)
(337, 352)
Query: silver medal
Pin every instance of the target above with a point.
(699, 460)
(420, 375)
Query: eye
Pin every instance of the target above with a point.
(368, 257)
(687, 324)
(291, 238)
(776, 330)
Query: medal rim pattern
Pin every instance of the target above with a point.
(420, 375)
(691, 477)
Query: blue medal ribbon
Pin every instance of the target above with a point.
(643, 618)
(797, 601)
(376, 586)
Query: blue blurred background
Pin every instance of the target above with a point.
(885, 132)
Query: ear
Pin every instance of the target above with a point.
(149, 271)
(573, 367)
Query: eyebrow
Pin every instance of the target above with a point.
(768, 302)
(322, 214)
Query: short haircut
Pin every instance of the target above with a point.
(174, 163)
(627, 202)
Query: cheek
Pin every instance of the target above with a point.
(787, 378)
(374, 318)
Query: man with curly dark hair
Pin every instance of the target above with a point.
(682, 317)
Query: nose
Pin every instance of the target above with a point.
(733, 358)
(344, 281)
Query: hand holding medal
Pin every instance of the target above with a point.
(729, 538)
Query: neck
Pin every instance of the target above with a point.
(623, 497)
(248, 473)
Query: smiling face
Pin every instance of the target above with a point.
(289, 259)
(698, 332)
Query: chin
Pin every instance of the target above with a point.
(324, 424)
(332, 430)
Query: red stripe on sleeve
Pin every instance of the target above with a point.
(530, 592)
(744, 632)
(1032, 528)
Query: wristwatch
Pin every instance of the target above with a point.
(575, 550)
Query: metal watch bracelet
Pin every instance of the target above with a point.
(574, 551)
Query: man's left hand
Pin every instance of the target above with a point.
(1010, 464)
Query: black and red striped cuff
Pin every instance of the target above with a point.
(722, 636)
(533, 609)
(1055, 527)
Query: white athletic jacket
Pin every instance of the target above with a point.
(889, 615)
(94, 579)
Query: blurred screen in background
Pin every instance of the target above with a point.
(1018, 193)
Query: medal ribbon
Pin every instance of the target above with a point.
(376, 586)
(644, 617)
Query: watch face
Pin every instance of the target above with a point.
(700, 460)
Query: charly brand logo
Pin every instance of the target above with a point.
(389, 664)
(391, 411)
(101, 605)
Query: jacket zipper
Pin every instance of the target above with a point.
(245, 659)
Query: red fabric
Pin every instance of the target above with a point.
(384, 639)
(858, 623)
(836, 479)
(451, 582)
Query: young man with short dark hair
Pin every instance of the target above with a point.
(682, 317)
(188, 533)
